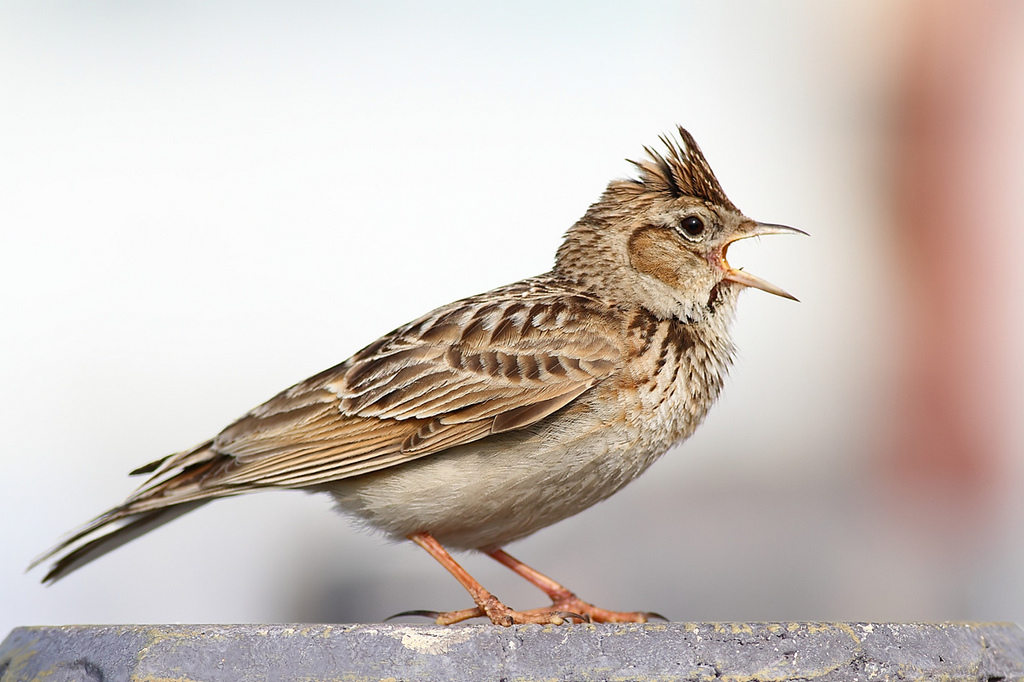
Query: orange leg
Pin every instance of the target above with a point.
(563, 599)
(487, 605)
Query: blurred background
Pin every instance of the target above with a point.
(203, 203)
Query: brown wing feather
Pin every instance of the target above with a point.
(492, 363)
(488, 364)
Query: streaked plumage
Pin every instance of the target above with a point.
(496, 415)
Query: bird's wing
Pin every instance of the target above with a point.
(476, 367)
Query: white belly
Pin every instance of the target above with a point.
(502, 488)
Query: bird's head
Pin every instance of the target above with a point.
(661, 239)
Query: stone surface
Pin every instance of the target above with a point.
(740, 652)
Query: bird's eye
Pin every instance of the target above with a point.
(693, 227)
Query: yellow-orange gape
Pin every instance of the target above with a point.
(494, 416)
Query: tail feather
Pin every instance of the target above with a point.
(134, 526)
(175, 487)
(149, 468)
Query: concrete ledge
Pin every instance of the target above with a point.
(670, 651)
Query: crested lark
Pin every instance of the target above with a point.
(497, 415)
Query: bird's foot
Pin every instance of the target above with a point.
(498, 613)
(565, 605)
(570, 603)
(566, 610)
(564, 600)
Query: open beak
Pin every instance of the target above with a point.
(745, 278)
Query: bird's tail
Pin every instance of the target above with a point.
(132, 527)
(179, 484)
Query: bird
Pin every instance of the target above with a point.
(502, 413)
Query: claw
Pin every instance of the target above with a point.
(570, 615)
(653, 614)
(415, 612)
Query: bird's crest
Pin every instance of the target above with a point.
(681, 172)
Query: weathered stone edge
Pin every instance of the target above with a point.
(739, 652)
